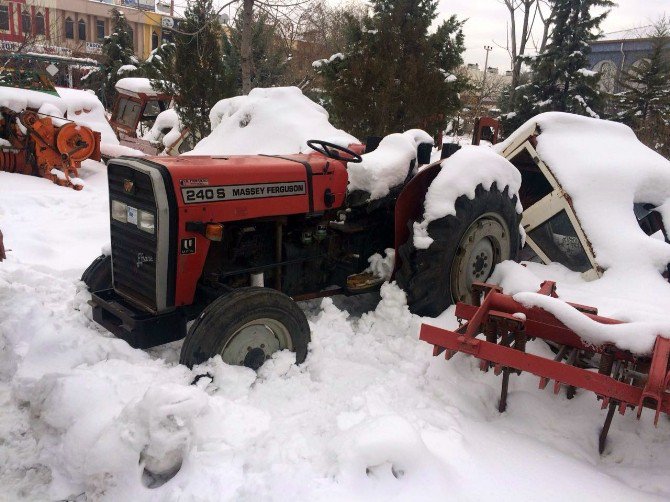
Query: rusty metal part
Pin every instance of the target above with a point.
(41, 148)
(623, 381)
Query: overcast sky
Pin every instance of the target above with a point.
(487, 19)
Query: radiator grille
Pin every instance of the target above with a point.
(134, 251)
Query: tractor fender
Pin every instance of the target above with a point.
(409, 206)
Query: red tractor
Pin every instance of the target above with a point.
(233, 242)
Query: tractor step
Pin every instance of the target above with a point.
(363, 283)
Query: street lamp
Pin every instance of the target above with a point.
(487, 48)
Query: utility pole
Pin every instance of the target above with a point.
(487, 48)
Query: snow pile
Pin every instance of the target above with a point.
(166, 130)
(382, 266)
(20, 99)
(276, 121)
(139, 85)
(605, 169)
(126, 68)
(460, 175)
(387, 166)
(369, 415)
(85, 109)
(79, 106)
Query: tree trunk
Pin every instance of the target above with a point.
(245, 44)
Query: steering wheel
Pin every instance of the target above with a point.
(331, 150)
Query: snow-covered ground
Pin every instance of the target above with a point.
(370, 415)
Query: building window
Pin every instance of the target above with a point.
(39, 23)
(69, 28)
(82, 29)
(100, 29)
(154, 40)
(26, 25)
(132, 35)
(4, 17)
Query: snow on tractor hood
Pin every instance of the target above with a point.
(273, 121)
(604, 169)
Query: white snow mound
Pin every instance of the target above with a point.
(460, 175)
(278, 120)
(166, 129)
(388, 165)
(605, 169)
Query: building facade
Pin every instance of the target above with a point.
(611, 58)
(77, 27)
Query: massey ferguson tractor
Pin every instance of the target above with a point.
(233, 242)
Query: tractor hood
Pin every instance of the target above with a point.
(254, 186)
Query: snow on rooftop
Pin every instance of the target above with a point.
(278, 120)
(135, 84)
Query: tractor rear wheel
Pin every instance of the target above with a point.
(98, 275)
(466, 248)
(245, 327)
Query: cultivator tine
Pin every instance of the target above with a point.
(502, 404)
(606, 427)
(622, 381)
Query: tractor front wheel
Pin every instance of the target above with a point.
(466, 248)
(98, 275)
(245, 327)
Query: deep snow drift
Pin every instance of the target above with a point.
(370, 415)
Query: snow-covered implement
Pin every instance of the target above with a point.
(35, 144)
(621, 380)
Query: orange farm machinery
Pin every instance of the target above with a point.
(35, 144)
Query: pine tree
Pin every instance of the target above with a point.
(195, 72)
(560, 79)
(646, 95)
(393, 75)
(268, 58)
(117, 51)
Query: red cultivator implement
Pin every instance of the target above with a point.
(620, 379)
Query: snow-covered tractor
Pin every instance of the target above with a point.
(233, 242)
(138, 108)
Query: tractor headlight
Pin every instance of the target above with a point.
(146, 221)
(119, 211)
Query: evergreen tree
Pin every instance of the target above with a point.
(560, 78)
(647, 84)
(194, 72)
(268, 58)
(117, 51)
(393, 75)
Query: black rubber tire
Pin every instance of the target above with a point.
(98, 275)
(425, 274)
(220, 320)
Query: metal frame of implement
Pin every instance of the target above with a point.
(621, 381)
